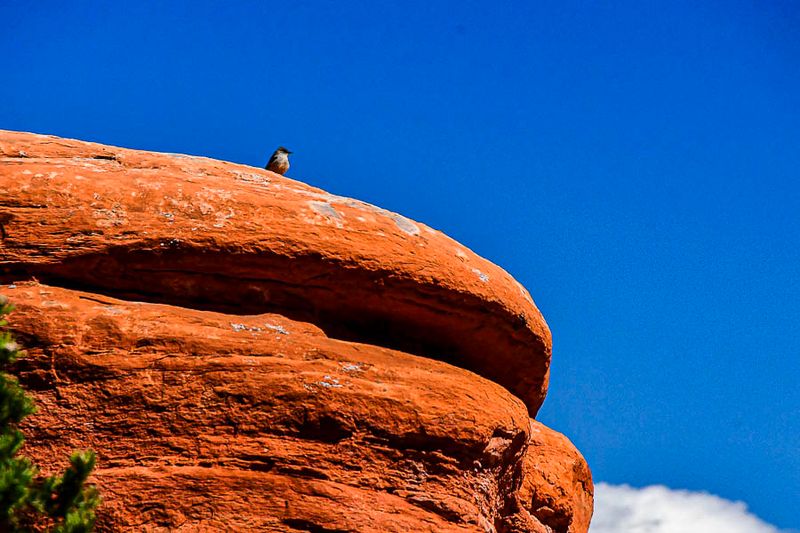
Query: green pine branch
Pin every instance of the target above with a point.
(59, 504)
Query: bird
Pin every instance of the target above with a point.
(279, 162)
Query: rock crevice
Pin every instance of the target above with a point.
(247, 352)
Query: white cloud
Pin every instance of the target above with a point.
(658, 509)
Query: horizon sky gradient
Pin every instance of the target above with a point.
(636, 166)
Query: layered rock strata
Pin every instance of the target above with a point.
(245, 351)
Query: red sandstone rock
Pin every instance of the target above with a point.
(211, 234)
(253, 417)
(198, 417)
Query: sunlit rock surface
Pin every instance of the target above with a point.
(245, 351)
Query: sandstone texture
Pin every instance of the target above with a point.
(248, 353)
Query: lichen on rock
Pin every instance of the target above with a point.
(253, 353)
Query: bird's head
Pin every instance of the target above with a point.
(283, 150)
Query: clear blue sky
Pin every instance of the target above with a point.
(636, 166)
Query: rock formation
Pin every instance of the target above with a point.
(246, 352)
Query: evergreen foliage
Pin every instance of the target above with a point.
(28, 501)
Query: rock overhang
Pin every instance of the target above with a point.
(213, 235)
(174, 399)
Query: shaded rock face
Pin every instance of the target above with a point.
(247, 352)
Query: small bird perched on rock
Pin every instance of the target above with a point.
(279, 162)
